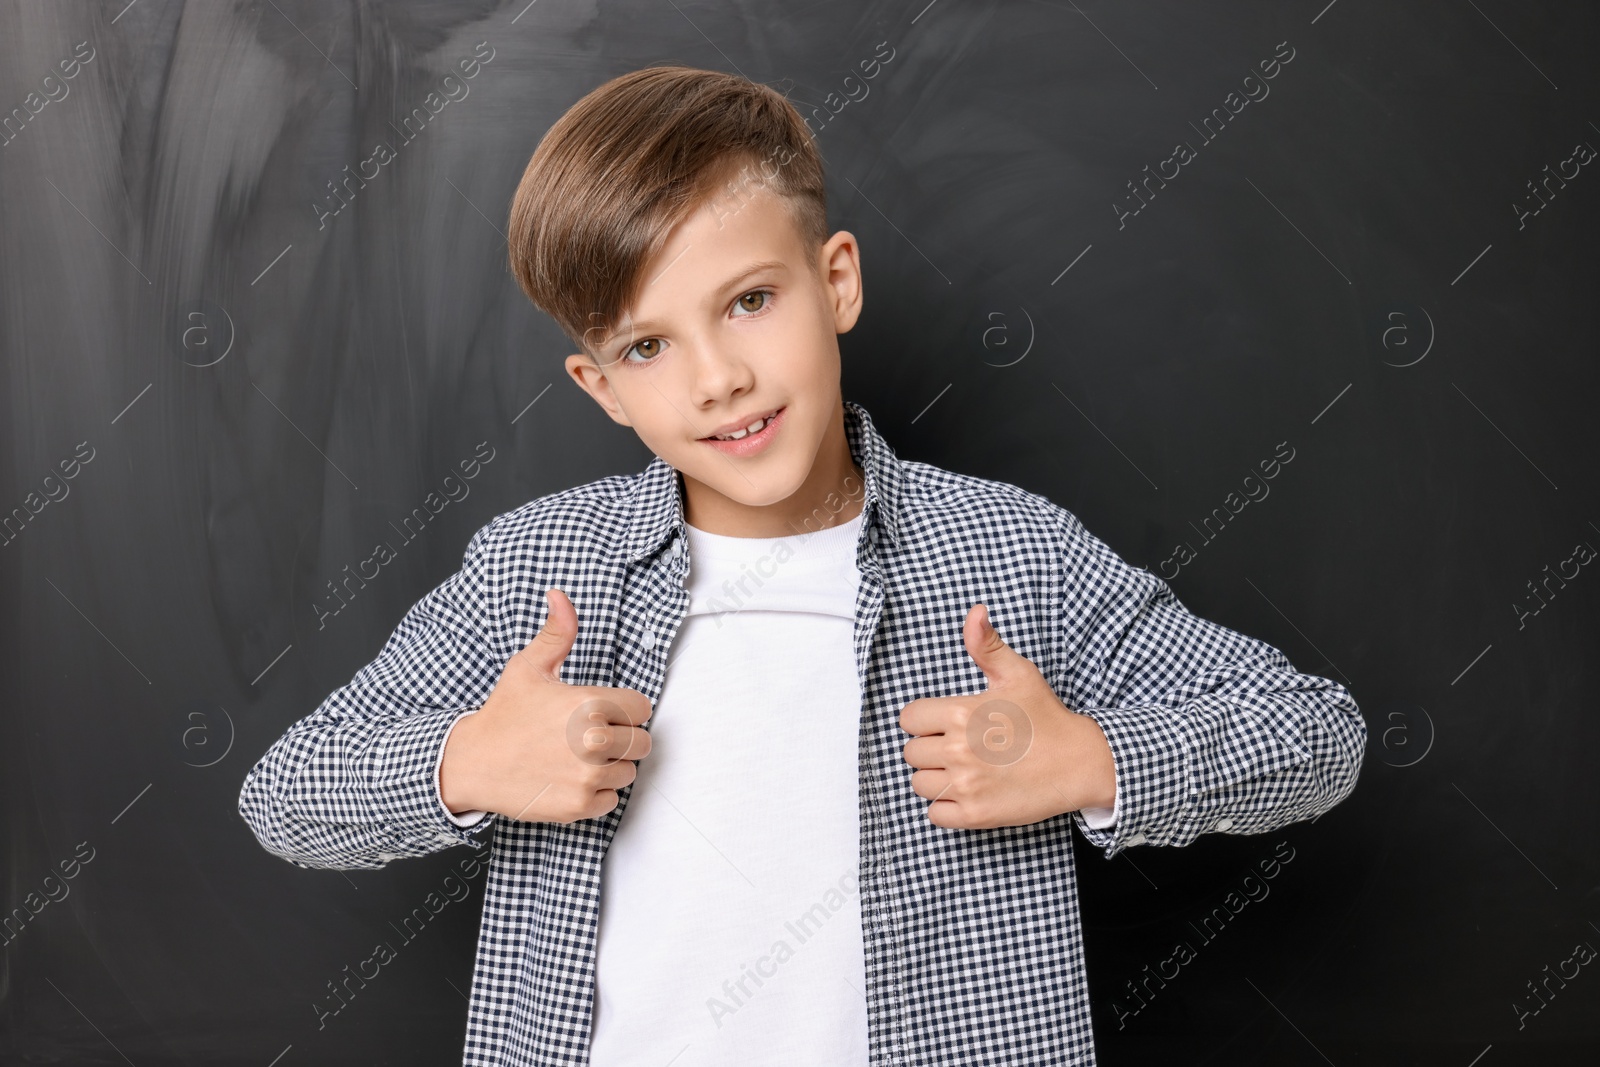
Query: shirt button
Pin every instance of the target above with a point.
(1223, 825)
(649, 639)
(1136, 839)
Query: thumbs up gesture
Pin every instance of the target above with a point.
(540, 750)
(1009, 756)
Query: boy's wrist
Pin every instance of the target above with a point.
(456, 767)
(1097, 764)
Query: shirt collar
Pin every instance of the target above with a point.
(658, 498)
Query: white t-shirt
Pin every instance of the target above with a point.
(730, 920)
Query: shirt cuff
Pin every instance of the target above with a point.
(464, 819)
(1150, 748)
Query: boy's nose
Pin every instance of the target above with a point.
(719, 374)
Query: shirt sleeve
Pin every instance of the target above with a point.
(1210, 730)
(355, 783)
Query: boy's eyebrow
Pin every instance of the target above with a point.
(754, 268)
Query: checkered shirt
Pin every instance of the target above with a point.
(974, 951)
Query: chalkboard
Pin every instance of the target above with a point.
(1126, 256)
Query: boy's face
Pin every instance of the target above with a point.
(709, 345)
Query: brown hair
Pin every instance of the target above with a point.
(630, 160)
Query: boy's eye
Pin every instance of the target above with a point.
(648, 341)
(761, 298)
(764, 294)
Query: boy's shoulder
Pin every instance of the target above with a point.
(951, 496)
(589, 517)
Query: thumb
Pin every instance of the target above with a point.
(551, 644)
(998, 660)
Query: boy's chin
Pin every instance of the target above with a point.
(756, 489)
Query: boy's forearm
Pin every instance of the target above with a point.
(351, 793)
(1247, 762)
(354, 783)
(1210, 730)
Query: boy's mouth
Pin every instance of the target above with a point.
(741, 441)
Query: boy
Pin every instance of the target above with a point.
(851, 705)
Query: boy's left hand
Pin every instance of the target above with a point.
(1009, 756)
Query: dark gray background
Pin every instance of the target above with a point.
(1342, 269)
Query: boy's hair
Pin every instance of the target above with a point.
(630, 160)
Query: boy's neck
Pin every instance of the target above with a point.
(833, 493)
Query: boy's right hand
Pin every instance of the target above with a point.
(540, 750)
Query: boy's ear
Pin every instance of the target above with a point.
(839, 268)
(592, 380)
